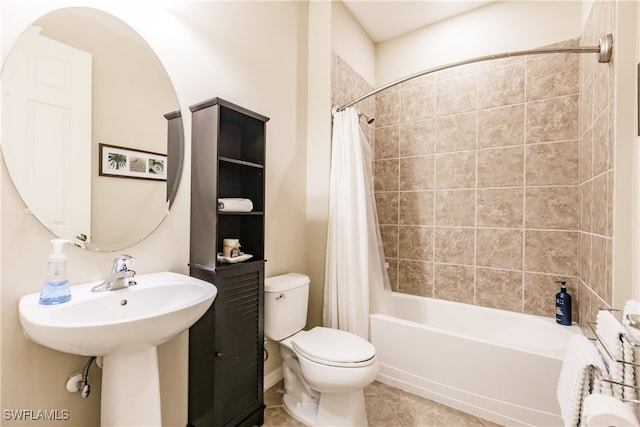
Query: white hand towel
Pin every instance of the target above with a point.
(628, 393)
(576, 377)
(608, 330)
(235, 205)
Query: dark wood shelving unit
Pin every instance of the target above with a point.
(226, 346)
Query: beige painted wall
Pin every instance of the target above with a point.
(227, 49)
(351, 42)
(497, 27)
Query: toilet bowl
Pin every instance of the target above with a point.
(325, 370)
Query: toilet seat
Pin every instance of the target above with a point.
(334, 347)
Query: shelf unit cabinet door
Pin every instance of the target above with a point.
(240, 349)
(230, 336)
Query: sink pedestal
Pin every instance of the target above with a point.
(131, 387)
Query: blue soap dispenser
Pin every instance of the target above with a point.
(56, 288)
(563, 305)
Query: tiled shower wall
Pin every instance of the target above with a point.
(482, 186)
(597, 140)
(476, 178)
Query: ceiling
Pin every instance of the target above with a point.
(408, 15)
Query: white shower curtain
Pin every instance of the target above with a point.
(355, 277)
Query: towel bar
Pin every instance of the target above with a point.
(592, 327)
(610, 381)
(599, 376)
(628, 316)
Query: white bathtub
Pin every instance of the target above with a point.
(496, 364)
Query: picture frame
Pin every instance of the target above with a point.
(123, 162)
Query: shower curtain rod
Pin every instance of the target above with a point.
(604, 51)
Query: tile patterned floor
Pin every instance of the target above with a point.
(386, 407)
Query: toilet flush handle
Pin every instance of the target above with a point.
(281, 296)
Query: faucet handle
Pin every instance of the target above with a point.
(122, 263)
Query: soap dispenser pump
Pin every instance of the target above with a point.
(563, 305)
(56, 288)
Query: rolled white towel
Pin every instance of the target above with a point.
(235, 204)
(576, 377)
(609, 331)
(629, 377)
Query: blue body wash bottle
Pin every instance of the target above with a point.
(563, 305)
(56, 288)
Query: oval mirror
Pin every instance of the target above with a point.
(91, 129)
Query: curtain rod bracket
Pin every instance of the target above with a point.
(606, 48)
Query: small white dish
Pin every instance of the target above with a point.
(229, 260)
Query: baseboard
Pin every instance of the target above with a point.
(272, 378)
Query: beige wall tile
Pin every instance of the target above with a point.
(456, 95)
(552, 207)
(586, 156)
(499, 248)
(610, 188)
(599, 267)
(389, 235)
(388, 108)
(552, 164)
(503, 126)
(501, 207)
(601, 161)
(392, 272)
(586, 206)
(387, 207)
(456, 170)
(417, 138)
(454, 283)
(416, 207)
(456, 132)
(554, 119)
(554, 252)
(386, 175)
(601, 83)
(415, 277)
(540, 294)
(501, 86)
(417, 103)
(454, 245)
(419, 81)
(343, 88)
(501, 167)
(499, 63)
(456, 207)
(415, 243)
(552, 75)
(462, 70)
(584, 262)
(600, 209)
(387, 142)
(500, 289)
(416, 173)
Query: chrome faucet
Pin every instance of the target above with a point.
(120, 277)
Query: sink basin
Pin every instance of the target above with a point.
(124, 326)
(158, 308)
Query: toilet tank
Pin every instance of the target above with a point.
(285, 305)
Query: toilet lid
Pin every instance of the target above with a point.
(327, 345)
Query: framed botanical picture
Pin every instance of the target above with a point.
(125, 162)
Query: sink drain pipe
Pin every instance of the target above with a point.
(80, 380)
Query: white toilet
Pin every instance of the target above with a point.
(325, 370)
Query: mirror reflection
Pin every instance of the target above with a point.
(91, 132)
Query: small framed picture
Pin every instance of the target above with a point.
(122, 162)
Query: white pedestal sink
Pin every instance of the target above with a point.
(124, 326)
